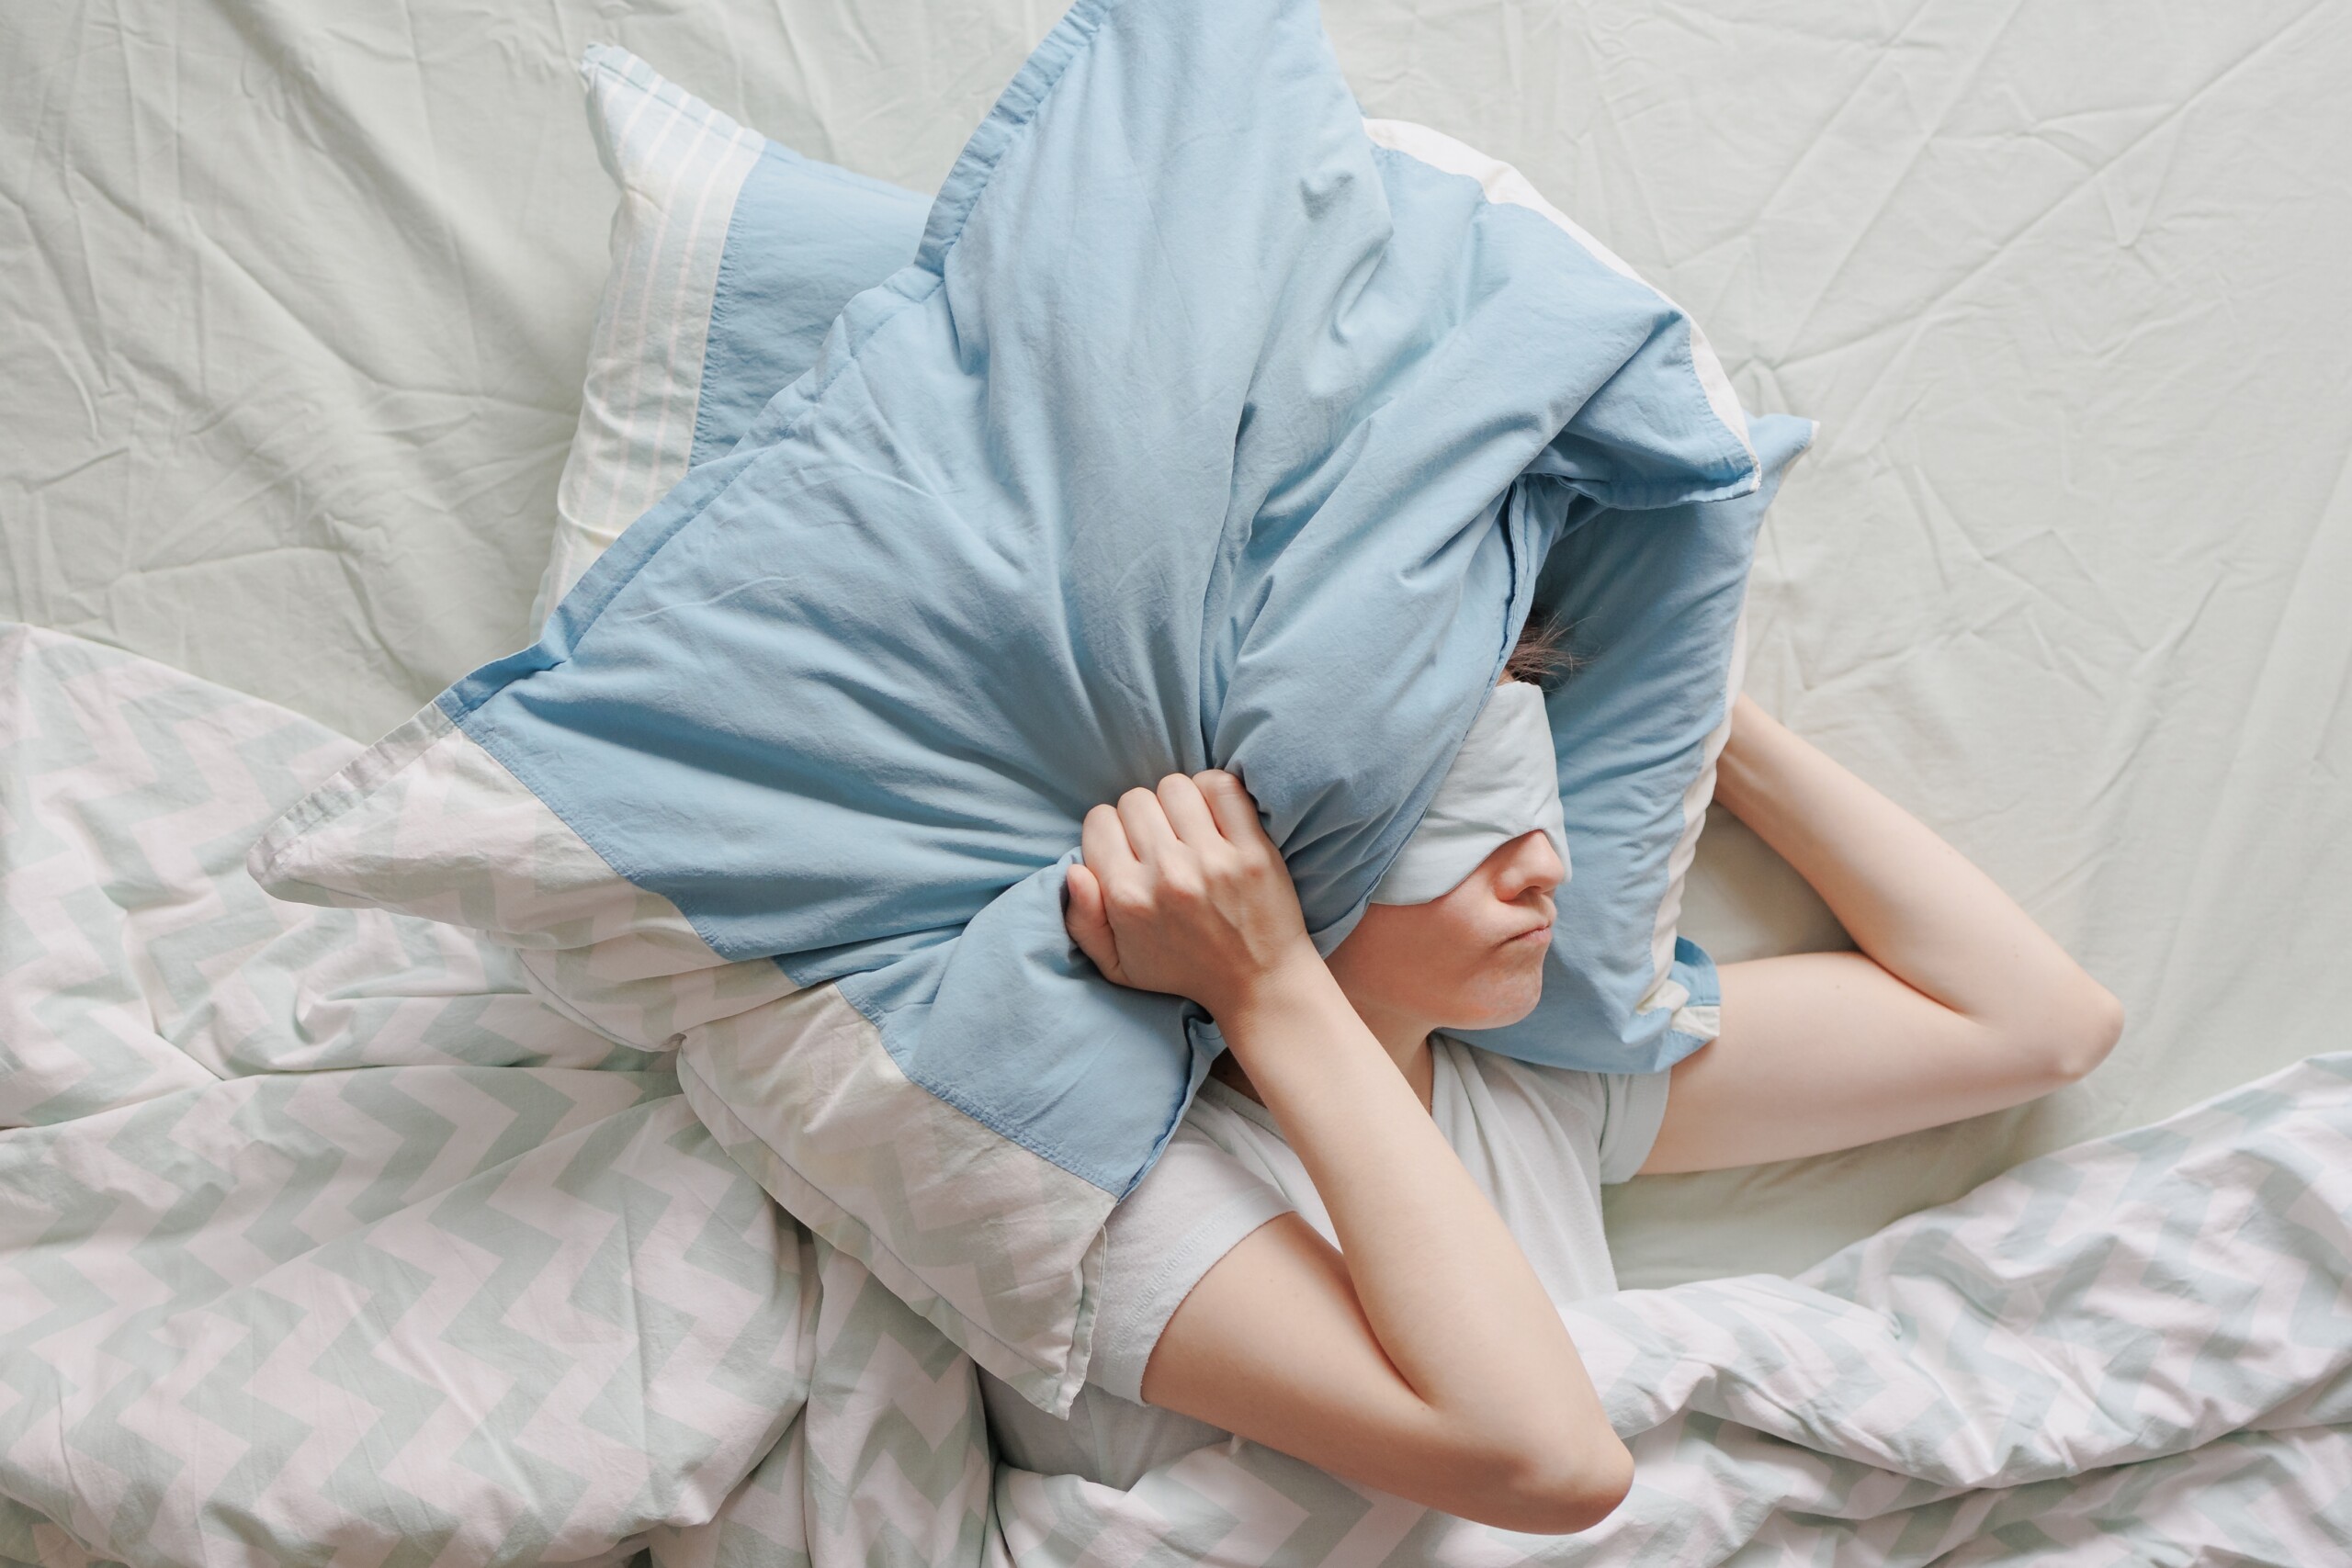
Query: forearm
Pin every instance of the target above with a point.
(1423, 1356)
(1447, 1291)
(1910, 901)
(1958, 1004)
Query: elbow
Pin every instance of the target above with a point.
(1553, 1486)
(2095, 1025)
(2078, 1030)
(1564, 1500)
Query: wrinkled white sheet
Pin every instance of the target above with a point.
(297, 297)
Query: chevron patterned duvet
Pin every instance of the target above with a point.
(324, 1240)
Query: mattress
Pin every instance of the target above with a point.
(299, 296)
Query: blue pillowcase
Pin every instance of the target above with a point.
(805, 237)
(1208, 426)
(1654, 610)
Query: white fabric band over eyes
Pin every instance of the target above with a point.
(1504, 781)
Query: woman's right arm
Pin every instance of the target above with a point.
(1427, 1362)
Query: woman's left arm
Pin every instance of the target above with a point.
(1956, 1004)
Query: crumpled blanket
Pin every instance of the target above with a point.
(321, 1241)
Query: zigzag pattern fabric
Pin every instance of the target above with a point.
(2134, 1351)
(324, 1240)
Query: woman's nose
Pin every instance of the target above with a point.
(1530, 862)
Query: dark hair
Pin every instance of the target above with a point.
(1541, 656)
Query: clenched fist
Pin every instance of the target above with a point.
(1181, 891)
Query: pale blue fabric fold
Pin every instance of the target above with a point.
(1200, 432)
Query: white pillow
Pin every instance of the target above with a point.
(732, 256)
(680, 164)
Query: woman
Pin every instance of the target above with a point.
(1352, 1248)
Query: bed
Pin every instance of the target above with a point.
(301, 299)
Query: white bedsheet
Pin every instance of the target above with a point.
(298, 293)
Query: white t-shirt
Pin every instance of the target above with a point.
(1539, 1142)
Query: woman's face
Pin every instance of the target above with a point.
(1471, 959)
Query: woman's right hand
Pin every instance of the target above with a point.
(1421, 1356)
(1181, 891)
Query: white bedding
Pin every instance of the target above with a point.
(298, 296)
(322, 1242)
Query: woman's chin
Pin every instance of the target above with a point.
(1501, 1005)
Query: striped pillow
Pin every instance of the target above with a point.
(716, 223)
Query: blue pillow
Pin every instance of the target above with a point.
(804, 239)
(1208, 426)
(1655, 609)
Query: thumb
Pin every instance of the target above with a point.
(1089, 922)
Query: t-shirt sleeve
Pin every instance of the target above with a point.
(1634, 1107)
(1189, 1210)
